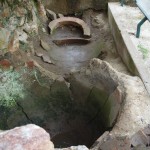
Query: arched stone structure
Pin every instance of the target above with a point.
(70, 20)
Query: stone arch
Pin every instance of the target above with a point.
(70, 20)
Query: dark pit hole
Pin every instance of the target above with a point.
(65, 113)
(67, 125)
(81, 132)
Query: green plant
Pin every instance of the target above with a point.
(10, 88)
(143, 50)
(3, 1)
(24, 46)
(10, 3)
(4, 21)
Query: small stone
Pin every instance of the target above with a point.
(31, 47)
(13, 23)
(41, 10)
(88, 72)
(43, 29)
(141, 147)
(60, 15)
(32, 27)
(38, 54)
(22, 36)
(20, 11)
(46, 59)
(22, 21)
(140, 138)
(61, 79)
(113, 142)
(30, 64)
(100, 140)
(73, 70)
(146, 130)
(98, 21)
(68, 84)
(45, 46)
(51, 14)
(79, 147)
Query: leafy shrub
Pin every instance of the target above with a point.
(10, 88)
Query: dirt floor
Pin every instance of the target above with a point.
(128, 18)
(70, 58)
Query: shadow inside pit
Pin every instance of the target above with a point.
(52, 106)
(80, 134)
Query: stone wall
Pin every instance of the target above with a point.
(75, 6)
(112, 97)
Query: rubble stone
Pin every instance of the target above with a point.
(29, 137)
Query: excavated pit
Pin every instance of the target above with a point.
(58, 93)
(74, 113)
(69, 81)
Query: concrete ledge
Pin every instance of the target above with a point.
(126, 48)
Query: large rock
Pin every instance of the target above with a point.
(142, 137)
(29, 137)
(101, 91)
(139, 141)
(111, 142)
(116, 100)
(112, 97)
